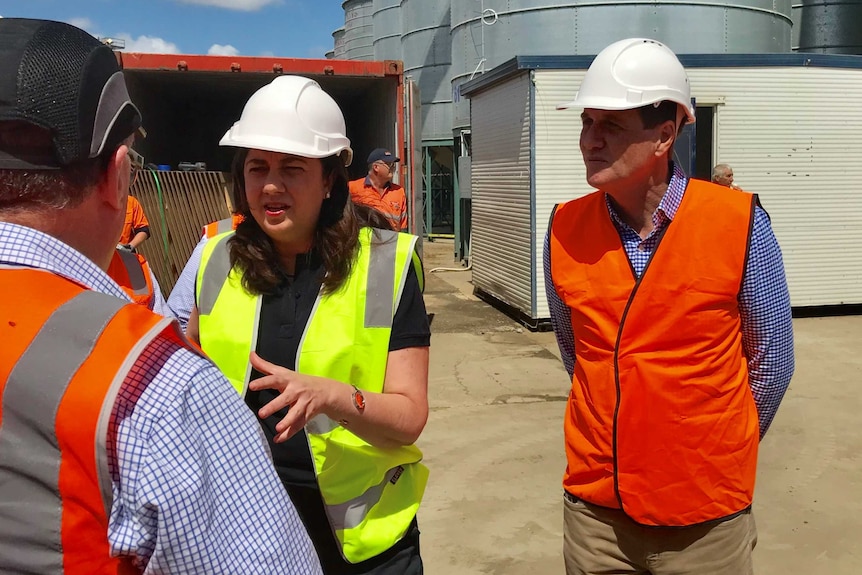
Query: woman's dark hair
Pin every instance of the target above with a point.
(336, 237)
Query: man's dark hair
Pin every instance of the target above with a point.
(652, 115)
(60, 188)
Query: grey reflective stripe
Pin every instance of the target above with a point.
(351, 513)
(381, 279)
(416, 263)
(30, 505)
(223, 226)
(215, 275)
(254, 335)
(320, 424)
(135, 271)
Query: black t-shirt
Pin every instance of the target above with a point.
(283, 317)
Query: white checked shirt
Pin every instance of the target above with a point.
(194, 488)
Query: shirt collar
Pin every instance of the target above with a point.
(368, 183)
(669, 203)
(23, 246)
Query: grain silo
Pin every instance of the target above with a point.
(358, 30)
(386, 19)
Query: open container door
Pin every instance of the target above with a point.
(413, 147)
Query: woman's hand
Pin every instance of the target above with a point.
(305, 395)
(390, 419)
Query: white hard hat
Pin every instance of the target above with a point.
(292, 115)
(632, 73)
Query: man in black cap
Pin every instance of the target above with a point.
(121, 447)
(377, 190)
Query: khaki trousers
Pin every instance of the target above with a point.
(598, 540)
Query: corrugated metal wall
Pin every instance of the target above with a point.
(790, 134)
(560, 174)
(501, 235)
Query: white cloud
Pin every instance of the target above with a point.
(267, 54)
(148, 45)
(241, 5)
(222, 50)
(83, 23)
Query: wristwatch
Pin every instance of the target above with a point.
(358, 399)
(358, 403)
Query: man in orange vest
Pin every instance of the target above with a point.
(378, 191)
(122, 448)
(672, 291)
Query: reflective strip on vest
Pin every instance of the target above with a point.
(137, 279)
(381, 276)
(214, 274)
(351, 514)
(31, 398)
(370, 495)
(214, 229)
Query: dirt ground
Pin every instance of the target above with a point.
(494, 445)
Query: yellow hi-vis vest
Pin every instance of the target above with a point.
(371, 495)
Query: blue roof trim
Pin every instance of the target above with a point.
(790, 59)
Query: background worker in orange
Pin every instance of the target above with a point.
(136, 228)
(377, 190)
(123, 450)
(130, 269)
(672, 291)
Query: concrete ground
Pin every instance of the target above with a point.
(494, 445)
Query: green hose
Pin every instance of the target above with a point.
(162, 216)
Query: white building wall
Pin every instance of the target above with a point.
(792, 135)
(501, 236)
(560, 172)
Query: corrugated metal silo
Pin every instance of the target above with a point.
(796, 19)
(486, 33)
(338, 40)
(426, 49)
(330, 54)
(830, 26)
(358, 29)
(386, 18)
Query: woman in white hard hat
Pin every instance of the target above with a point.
(318, 320)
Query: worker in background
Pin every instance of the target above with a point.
(377, 190)
(136, 228)
(181, 301)
(123, 450)
(684, 343)
(130, 269)
(722, 174)
(306, 305)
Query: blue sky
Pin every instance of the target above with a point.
(295, 28)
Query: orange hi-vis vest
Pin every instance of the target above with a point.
(214, 229)
(65, 356)
(660, 421)
(132, 273)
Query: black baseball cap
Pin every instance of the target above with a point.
(382, 155)
(60, 78)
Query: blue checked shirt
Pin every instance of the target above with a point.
(764, 302)
(182, 298)
(194, 489)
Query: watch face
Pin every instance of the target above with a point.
(358, 399)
